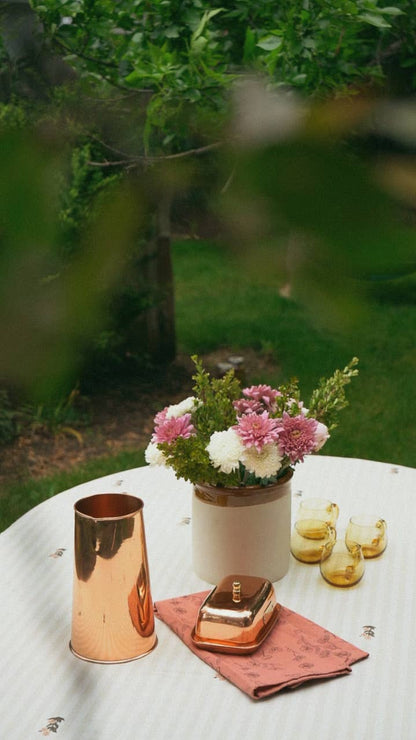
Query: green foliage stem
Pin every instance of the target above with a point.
(329, 397)
(216, 413)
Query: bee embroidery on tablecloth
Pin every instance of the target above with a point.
(298, 494)
(58, 553)
(185, 520)
(219, 677)
(368, 631)
(52, 725)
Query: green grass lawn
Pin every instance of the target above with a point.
(24, 495)
(219, 304)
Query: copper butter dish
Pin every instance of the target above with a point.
(237, 615)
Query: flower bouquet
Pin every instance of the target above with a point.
(232, 437)
(239, 447)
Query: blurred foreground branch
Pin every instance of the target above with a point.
(307, 206)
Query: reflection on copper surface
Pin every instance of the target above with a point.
(112, 617)
(141, 605)
(237, 615)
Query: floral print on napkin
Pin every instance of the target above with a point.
(297, 650)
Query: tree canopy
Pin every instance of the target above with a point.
(134, 86)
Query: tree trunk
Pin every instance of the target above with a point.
(160, 317)
(150, 331)
(32, 68)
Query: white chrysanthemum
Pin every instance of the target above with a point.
(225, 450)
(321, 435)
(264, 463)
(153, 455)
(179, 409)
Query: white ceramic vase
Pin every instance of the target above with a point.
(243, 531)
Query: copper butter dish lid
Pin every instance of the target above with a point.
(237, 615)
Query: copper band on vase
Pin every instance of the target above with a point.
(241, 496)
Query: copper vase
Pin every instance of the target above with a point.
(112, 613)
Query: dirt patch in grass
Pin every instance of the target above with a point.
(118, 419)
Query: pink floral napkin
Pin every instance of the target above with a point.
(297, 650)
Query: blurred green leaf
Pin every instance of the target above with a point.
(374, 20)
(391, 10)
(308, 213)
(49, 308)
(270, 42)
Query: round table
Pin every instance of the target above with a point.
(172, 695)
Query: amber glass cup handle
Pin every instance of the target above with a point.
(370, 532)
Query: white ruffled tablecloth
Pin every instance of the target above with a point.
(172, 695)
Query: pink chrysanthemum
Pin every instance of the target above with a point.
(257, 430)
(160, 416)
(170, 429)
(296, 436)
(264, 394)
(242, 406)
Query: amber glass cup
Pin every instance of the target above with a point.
(318, 508)
(341, 564)
(112, 614)
(369, 532)
(309, 536)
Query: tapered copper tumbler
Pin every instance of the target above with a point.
(112, 612)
